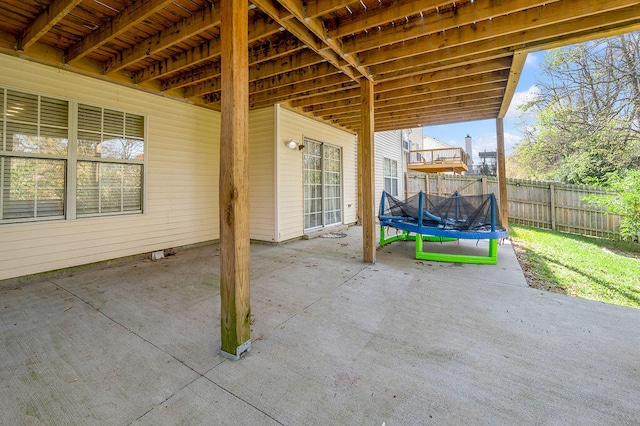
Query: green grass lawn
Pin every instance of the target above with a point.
(591, 268)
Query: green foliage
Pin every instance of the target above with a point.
(587, 114)
(624, 201)
(591, 268)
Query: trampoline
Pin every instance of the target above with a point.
(423, 218)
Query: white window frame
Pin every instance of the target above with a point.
(390, 180)
(324, 186)
(72, 159)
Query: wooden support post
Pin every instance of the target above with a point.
(502, 178)
(366, 169)
(485, 188)
(235, 312)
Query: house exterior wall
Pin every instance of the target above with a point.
(431, 143)
(262, 199)
(181, 179)
(388, 144)
(292, 125)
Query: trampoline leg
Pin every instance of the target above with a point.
(493, 249)
(491, 259)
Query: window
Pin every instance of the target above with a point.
(33, 155)
(39, 155)
(110, 152)
(322, 184)
(391, 176)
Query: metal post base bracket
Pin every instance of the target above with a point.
(240, 351)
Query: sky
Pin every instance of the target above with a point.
(483, 133)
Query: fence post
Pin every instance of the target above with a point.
(552, 195)
(439, 184)
(427, 185)
(484, 185)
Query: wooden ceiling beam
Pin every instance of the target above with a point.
(488, 96)
(430, 62)
(122, 22)
(505, 31)
(257, 69)
(452, 119)
(494, 78)
(209, 51)
(468, 72)
(200, 21)
(464, 14)
(297, 77)
(44, 22)
(342, 96)
(332, 84)
(321, 103)
(318, 8)
(440, 95)
(407, 122)
(307, 36)
(316, 25)
(374, 17)
(430, 111)
(345, 107)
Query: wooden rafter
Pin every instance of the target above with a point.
(136, 12)
(311, 55)
(44, 22)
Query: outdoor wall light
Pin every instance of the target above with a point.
(293, 145)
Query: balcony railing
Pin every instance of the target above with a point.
(438, 160)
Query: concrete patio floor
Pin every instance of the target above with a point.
(334, 341)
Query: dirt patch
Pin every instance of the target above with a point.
(531, 270)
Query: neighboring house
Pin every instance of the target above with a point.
(92, 171)
(435, 156)
(390, 165)
(432, 143)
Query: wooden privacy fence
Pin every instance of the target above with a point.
(533, 203)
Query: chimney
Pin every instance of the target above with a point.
(469, 149)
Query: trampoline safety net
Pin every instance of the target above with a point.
(456, 212)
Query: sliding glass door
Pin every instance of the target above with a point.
(322, 184)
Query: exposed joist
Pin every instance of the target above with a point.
(466, 71)
(307, 36)
(377, 16)
(206, 52)
(298, 77)
(44, 22)
(433, 23)
(201, 21)
(544, 22)
(133, 14)
(316, 25)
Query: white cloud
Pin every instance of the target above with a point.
(489, 143)
(533, 60)
(521, 98)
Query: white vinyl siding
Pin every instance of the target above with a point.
(181, 198)
(388, 145)
(261, 175)
(296, 126)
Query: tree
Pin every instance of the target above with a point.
(588, 113)
(624, 201)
